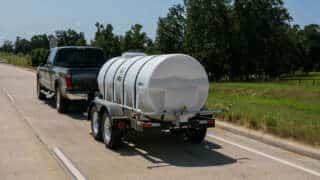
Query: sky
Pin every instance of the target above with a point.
(29, 17)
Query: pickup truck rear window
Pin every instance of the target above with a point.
(80, 58)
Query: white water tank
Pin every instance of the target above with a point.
(159, 83)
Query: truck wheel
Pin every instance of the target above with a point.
(196, 136)
(111, 134)
(61, 102)
(95, 124)
(39, 94)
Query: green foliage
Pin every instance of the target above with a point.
(7, 46)
(284, 110)
(70, 38)
(303, 76)
(135, 39)
(16, 59)
(170, 31)
(39, 56)
(240, 40)
(152, 47)
(40, 41)
(262, 37)
(63, 38)
(107, 40)
(22, 46)
(312, 46)
(270, 121)
(207, 35)
(82, 40)
(113, 45)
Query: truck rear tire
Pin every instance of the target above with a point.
(39, 89)
(61, 103)
(95, 119)
(196, 136)
(112, 136)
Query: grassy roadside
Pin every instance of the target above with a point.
(18, 60)
(312, 75)
(310, 79)
(284, 110)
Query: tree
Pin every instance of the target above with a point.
(107, 40)
(207, 34)
(7, 46)
(22, 46)
(69, 38)
(40, 41)
(152, 47)
(262, 27)
(296, 50)
(312, 45)
(170, 31)
(134, 39)
(82, 40)
(38, 56)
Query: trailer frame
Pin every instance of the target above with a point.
(124, 119)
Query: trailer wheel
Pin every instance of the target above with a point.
(61, 103)
(111, 134)
(196, 136)
(39, 94)
(95, 124)
(177, 132)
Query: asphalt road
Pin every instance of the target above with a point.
(32, 130)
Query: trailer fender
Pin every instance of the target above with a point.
(113, 109)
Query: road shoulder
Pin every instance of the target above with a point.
(271, 140)
(22, 154)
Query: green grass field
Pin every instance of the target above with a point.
(312, 75)
(19, 60)
(288, 111)
(311, 79)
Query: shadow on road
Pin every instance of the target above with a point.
(75, 110)
(168, 150)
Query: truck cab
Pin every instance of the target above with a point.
(69, 74)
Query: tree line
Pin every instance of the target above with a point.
(113, 45)
(233, 39)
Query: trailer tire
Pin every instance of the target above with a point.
(177, 132)
(112, 136)
(39, 94)
(61, 102)
(196, 136)
(95, 119)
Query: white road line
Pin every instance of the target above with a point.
(265, 155)
(68, 164)
(9, 96)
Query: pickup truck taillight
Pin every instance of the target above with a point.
(68, 79)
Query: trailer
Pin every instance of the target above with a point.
(151, 94)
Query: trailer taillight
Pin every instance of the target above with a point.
(68, 80)
(211, 122)
(121, 125)
(146, 124)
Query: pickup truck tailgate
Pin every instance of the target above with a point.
(84, 79)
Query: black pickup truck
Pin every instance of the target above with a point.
(70, 73)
